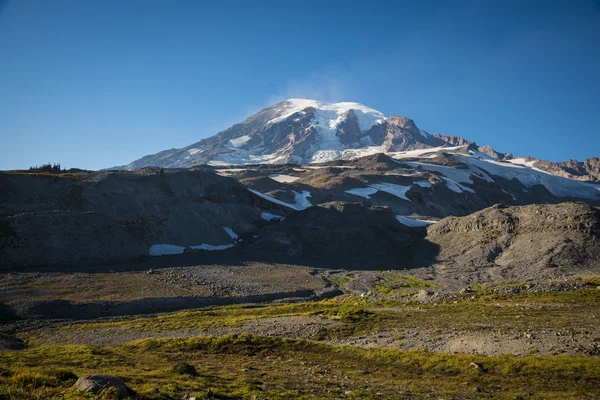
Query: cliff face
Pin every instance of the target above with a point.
(588, 170)
(521, 243)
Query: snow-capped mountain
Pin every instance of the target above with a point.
(301, 131)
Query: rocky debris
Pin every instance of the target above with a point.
(302, 327)
(99, 292)
(536, 242)
(346, 234)
(488, 341)
(452, 140)
(98, 382)
(587, 170)
(109, 217)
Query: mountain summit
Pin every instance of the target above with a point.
(300, 131)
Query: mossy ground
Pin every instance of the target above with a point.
(246, 367)
(252, 367)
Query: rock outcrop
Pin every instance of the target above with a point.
(98, 383)
(106, 217)
(521, 242)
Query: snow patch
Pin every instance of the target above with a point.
(239, 142)
(327, 118)
(363, 192)
(513, 197)
(391, 188)
(424, 153)
(211, 247)
(165, 249)
(271, 217)
(529, 177)
(171, 249)
(425, 184)
(334, 113)
(283, 178)
(413, 223)
(456, 187)
(301, 200)
(352, 154)
(231, 233)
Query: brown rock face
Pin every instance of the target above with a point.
(400, 134)
(452, 140)
(588, 170)
(349, 131)
(521, 242)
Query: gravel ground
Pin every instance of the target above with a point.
(489, 342)
(284, 327)
(96, 292)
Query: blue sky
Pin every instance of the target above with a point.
(93, 84)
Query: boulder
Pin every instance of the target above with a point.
(8, 342)
(98, 382)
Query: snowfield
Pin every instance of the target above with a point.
(165, 249)
(281, 178)
(330, 115)
(413, 223)
(301, 200)
(271, 217)
(171, 249)
(327, 119)
(231, 233)
(391, 188)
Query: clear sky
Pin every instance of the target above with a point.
(93, 84)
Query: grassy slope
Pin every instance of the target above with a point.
(246, 366)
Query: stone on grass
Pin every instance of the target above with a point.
(99, 382)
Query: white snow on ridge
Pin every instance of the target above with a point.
(211, 247)
(273, 199)
(165, 249)
(352, 154)
(413, 223)
(522, 161)
(231, 233)
(557, 185)
(171, 249)
(240, 141)
(363, 192)
(456, 187)
(327, 155)
(422, 152)
(301, 200)
(333, 113)
(458, 175)
(513, 197)
(327, 118)
(425, 184)
(270, 217)
(391, 188)
(281, 178)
